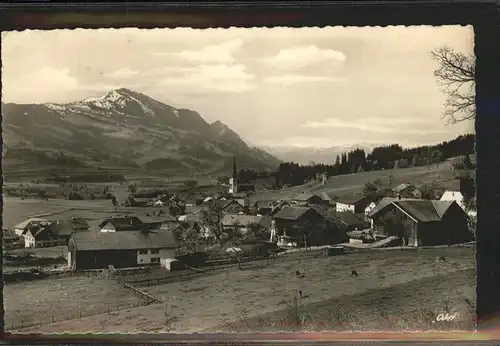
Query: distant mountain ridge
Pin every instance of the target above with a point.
(127, 128)
(306, 156)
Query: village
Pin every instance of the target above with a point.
(170, 236)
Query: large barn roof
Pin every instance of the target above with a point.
(132, 240)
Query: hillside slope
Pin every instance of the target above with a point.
(125, 128)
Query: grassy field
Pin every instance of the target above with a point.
(352, 184)
(63, 298)
(401, 282)
(16, 210)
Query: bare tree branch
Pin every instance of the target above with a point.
(456, 75)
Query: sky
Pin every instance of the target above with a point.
(275, 87)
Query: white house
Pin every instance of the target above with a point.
(368, 209)
(454, 196)
(23, 227)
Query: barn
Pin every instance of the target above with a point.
(422, 222)
(97, 250)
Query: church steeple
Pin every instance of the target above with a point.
(234, 167)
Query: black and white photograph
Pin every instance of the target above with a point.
(239, 180)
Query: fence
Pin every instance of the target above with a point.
(78, 314)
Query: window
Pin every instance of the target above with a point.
(155, 260)
(143, 252)
(155, 251)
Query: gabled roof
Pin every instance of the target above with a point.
(320, 209)
(349, 218)
(67, 226)
(351, 200)
(122, 222)
(384, 202)
(133, 240)
(442, 207)
(292, 213)
(29, 222)
(402, 187)
(425, 210)
(170, 226)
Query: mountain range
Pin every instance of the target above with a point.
(307, 156)
(126, 128)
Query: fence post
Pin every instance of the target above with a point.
(52, 318)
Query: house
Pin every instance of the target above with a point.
(422, 222)
(368, 210)
(306, 199)
(241, 198)
(97, 250)
(264, 207)
(137, 202)
(348, 221)
(43, 236)
(328, 198)
(355, 204)
(23, 227)
(407, 191)
(227, 206)
(277, 207)
(64, 228)
(245, 224)
(454, 196)
(246, 187)
(11, 240)
(292, 224)
(118, 224)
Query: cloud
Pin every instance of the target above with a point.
(299, 79)
(223, 78)
(380, 125)
(123, 73)
(302, 56)
(218, 53)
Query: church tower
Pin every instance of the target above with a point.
(233, 182)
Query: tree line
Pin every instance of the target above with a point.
(383, 157)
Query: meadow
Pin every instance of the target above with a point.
(404, 283)
(352, 184)
(44, 301)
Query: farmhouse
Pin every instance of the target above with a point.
(97, 250)
(32, 223)
(137, 202)
(64, 228)
(407, 191)
(355, 204)
(306, 199)
(227, 206)
(245, 224)
(454, 196)
(292, 223)
(327, 197)
(422, 222)
(118, 224)
(44, 236)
